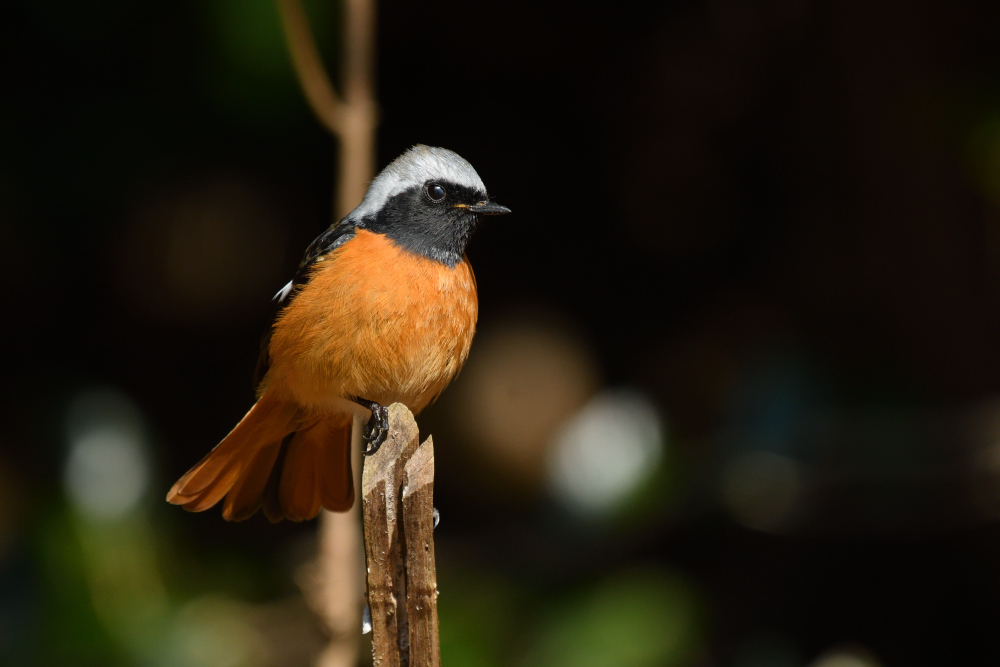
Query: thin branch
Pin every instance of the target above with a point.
(309, 67)
(359, 52)
(359, 113)
(336, 587)
(340, 562)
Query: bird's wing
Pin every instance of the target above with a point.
(337, 234)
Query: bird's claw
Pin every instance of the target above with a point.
(377, 429)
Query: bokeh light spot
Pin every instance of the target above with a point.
(524, 379)
(204, 251)
(605, 451)
(761, 490)
(106, 470)
(846, 657)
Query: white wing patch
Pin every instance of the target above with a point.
(283, 293)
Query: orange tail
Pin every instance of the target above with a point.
(275, 460)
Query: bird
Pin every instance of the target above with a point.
(382, 309)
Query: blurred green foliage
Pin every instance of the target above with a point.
(639, 618)
(479, 615)
(69, 629)
(250, 73)
(642, 617)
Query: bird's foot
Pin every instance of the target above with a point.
(377, 429)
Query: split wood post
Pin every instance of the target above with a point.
(397, 492)
(421, 571)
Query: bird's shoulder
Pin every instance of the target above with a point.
(335, 236)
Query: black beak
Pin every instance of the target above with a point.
(488, 208)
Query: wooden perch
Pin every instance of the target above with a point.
(397, 492)
(421, 572)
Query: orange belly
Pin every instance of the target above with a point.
(374, 322)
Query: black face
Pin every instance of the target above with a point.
(432, 220)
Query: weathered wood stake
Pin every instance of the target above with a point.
(421, 572)
(397, 493)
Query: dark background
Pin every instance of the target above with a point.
(779, 222)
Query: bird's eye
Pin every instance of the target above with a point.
(436, 192)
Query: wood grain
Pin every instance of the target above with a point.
(384, 549)
(421, 573)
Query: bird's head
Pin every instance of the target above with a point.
(428, 201)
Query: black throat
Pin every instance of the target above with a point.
(436, 230)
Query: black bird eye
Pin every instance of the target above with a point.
(436, 192)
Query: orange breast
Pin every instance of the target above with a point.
(375, 322)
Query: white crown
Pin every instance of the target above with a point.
(414, 168)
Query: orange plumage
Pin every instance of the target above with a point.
(373, 314)
(393, 327)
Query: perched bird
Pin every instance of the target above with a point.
(382, 309)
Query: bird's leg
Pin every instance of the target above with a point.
(377, 428)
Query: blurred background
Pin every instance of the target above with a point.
(735, 396)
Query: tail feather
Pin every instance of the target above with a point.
(271, 502)
(276, 460)
(337, 482)
(245, 498)
(209, 496)
(317, 470)
(268, 420)
(299, 491)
